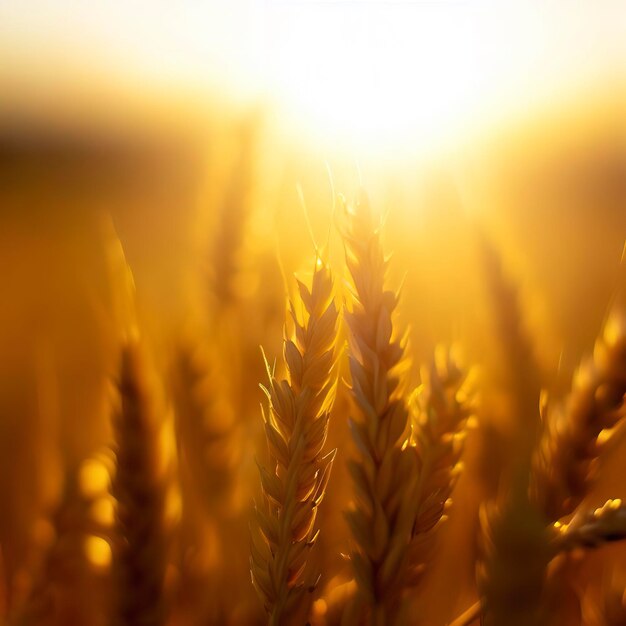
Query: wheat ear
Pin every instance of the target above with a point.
(233, 216)
(207, 430)
(385, 479)
(515, 539)
(63, 568)
(572, 443)
(139, 551)
(444, 405)
(588, 530)
(296, 426)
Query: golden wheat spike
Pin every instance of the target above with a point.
(207, 431)
(576, 434)
(139, 554)
(233, 216)
(385, 479)
(62, 570)
(519, 367)
(296, 427)
(444, 405)
(515, 539)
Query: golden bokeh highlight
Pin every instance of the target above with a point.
(98, 552)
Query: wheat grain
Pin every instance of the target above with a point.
(591, 529)
(296, 427)
(139, 551)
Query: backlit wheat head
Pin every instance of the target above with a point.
(444, 405)
(295, 479)
(385, 479)
(573, 439)
(139, 554)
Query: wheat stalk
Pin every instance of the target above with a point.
(516, 557)
(574, 437)
(296, 426)
(385, 479)
(139, 551)
(444, 406)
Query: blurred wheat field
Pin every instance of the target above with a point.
(246, 380)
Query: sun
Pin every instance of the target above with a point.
(413, 75)
(374, 74)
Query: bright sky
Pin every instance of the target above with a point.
(361, 70)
